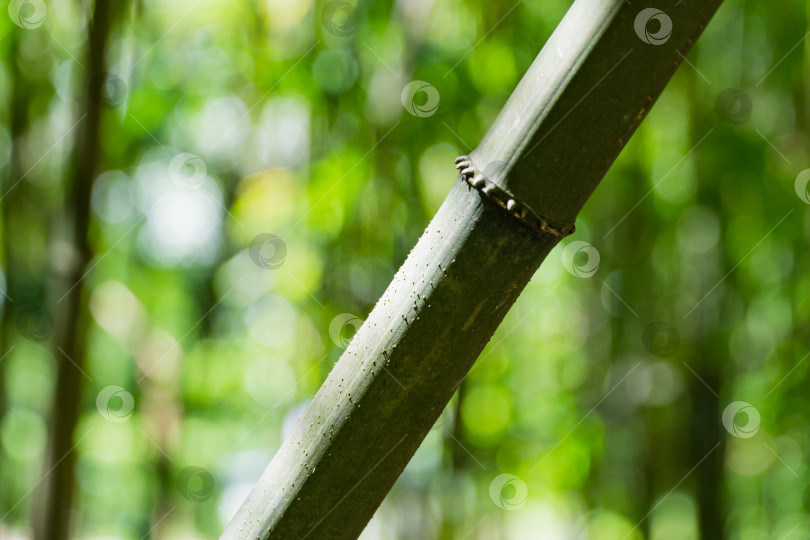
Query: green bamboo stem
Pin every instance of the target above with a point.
(566, 122)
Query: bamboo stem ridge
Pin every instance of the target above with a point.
(556, 137)
(509, 202)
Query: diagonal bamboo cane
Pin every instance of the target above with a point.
(518, 193)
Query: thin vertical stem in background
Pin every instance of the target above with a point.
(561, 129)
(20, 283)
(52, 520)
(710, 355)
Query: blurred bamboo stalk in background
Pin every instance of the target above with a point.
(53, 506)
(570, 116)
(21, 282)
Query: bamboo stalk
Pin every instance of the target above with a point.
(566, 122)
(52, 511)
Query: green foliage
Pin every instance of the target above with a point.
(295, 111)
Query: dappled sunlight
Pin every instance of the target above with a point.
(199, 219)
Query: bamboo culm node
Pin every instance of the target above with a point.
(476, 179)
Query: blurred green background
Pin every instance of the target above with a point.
(259, 179)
